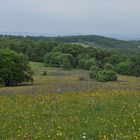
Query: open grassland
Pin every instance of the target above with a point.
(59, 81)
(62, 107)
(95, 115)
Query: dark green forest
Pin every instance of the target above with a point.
(81, 52)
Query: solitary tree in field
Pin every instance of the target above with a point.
(14, 68)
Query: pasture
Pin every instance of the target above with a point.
(67, 105)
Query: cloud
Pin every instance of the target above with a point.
(71, 16)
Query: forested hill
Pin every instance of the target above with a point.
(57, 52)
(135, 42)
(98, 41)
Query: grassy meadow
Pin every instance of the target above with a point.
(67, 105)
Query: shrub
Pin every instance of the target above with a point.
(105, 75)
(14, 68)
(44, 73)
(93, 73)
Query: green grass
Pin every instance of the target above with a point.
(94, 115)
(78, 110)
(68, 81)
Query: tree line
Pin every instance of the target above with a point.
(68, 56)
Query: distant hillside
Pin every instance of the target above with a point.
(91, 40)
(136, 43)
(97, 40)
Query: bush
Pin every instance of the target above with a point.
(105, 75)
(93, 73)
(14, 68)
(44, 73)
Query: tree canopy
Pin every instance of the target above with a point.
(14, 68)
(81, 52)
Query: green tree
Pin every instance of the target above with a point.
(108, 66)
(55, 59)
(14, 68)
(81, 63)
(89, 63)
(66, 65)
(69, 57)
(126, 68)
(114, 59)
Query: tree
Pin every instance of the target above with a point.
(55, 59)
(108, 66)
(114, 59)
(66, 65)
(137, 71)
(105, 75)
(81, 63)
(14, 68)
(89, 63)
(69, 57)
(125, 68)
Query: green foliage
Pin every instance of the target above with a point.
(105, 75)
(93, 39)
(66, 65)
(125, 68)
(81, 63)
(72, 49)
(102, 75)
(55, 59)
(69, 57)
(89, 63)
(108, 66)
(94, 70)
(114, 59)
(14, 68)
(136, 60)
(97, 52)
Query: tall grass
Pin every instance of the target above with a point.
(60, 106)
(85, 115)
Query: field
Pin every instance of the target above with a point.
(67, 105)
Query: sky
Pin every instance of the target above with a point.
(70, 17)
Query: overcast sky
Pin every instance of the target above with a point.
(102, 17)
